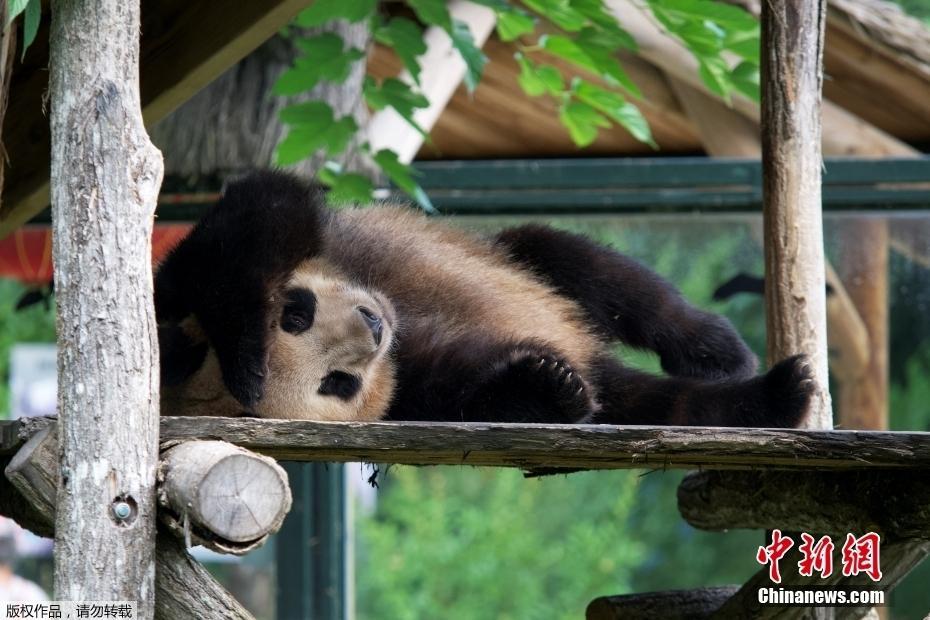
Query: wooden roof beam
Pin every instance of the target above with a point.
(185, 45)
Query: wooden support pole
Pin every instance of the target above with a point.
(894, 504)
(222, 496)
(792, 74)
(183, 588)
(863, 404)
(105, 178)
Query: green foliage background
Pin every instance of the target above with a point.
(32, 324)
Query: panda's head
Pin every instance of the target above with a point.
(328, 349)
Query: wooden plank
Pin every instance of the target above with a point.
(543, 445)
(185, 45)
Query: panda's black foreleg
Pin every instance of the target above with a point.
(473, 381)
(626, 301)
(776, 399)
(226, 269)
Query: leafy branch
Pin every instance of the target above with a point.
(581, 33)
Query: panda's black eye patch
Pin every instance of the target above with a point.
(299, 310)
(340, 384)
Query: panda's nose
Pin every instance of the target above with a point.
(374, 323)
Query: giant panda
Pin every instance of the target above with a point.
(278, 307)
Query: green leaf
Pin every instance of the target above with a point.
(582, 121)
(433, 13)
(395, 94)
(472, 55)
(511, 25)
(586, 52)
(595, 11)
(536, 80)
(31, 24)
(715, 75)
(745, 44)
(745, 77)
(401, 175)
(15, 8)
(406, 38)
(323, 11)
(726, 16)
(615, 107)
(345, 187)
(559, 12)
(312, 127)
(531, 83)
(325, 59)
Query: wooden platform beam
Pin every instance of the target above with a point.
(529, 446)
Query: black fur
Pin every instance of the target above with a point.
(258, 232)
(340, 384)
(267, 223)
(299, 311)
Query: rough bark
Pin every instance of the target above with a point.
(105, 177)
(863, 404)
(667, 605)
(792, 74)
(547, 445)
(232, 125)
(183, 587)
(894, 504)
(222, 496)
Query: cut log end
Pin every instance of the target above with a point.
(223, 496)
(243, 497)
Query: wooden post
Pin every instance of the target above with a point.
(105, 176)
(183, 588)
(792, 74)
(863, 404)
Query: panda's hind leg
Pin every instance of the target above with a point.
(626, 301)
(777, 399)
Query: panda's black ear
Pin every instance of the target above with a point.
(265, 224)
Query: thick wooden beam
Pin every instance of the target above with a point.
(185, 45)
(528, 446)
(666, 605)
(183, 587)
(894, 504)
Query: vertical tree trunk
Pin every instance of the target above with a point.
(792, 75)
(105, 178)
